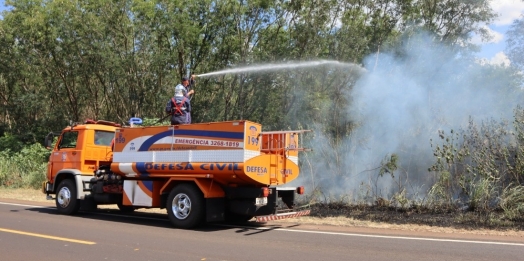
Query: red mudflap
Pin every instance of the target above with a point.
(283, 216)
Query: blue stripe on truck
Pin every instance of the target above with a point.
(211, 134)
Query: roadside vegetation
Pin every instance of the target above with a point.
(25, 168)
(478, 182)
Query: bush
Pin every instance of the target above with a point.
(512, 202)
(10, 143)
(24, 169)
(476, 167)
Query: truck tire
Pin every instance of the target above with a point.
(66, 201)
(185, 206)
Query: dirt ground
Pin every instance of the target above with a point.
(341, 216)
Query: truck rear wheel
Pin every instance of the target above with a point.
(66, 201)
(185, 206)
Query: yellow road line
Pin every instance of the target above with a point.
(48, 237)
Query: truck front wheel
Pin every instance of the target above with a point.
(185, 206)
(66, 201)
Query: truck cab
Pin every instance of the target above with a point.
(79, 150)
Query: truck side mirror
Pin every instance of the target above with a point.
(49, 140)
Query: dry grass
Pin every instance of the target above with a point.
(23, 194)
(347, 217)
(351, 222)
(421, 218)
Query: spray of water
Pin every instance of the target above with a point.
(280, 66)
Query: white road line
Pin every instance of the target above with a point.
(23, 205)
(322, 232)
(380, 236)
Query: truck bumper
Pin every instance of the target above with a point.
(47, 188)
(44, 187)
(243, 201)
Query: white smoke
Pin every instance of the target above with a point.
(400, 104)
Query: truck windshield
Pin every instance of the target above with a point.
(104, 138)
(69, 139)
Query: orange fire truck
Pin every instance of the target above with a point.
(199, 172)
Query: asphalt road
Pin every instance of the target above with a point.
(34, 231)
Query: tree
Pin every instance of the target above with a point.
(515, 44)
(71, 60)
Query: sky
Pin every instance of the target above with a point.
(508, 11)
(493, 51)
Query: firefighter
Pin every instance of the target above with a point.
(189, 84)
(179, 106)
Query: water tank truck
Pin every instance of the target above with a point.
(204, 172)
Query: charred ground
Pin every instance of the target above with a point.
(447, 217)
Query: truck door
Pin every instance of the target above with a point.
(67, 153)
(97, 150)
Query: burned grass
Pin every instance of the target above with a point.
(436, 217)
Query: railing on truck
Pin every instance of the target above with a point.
(282, 141)
(284, 144)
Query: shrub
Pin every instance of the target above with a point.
(512, 202)
(476, 166)
(10, 143)
(24, 169)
